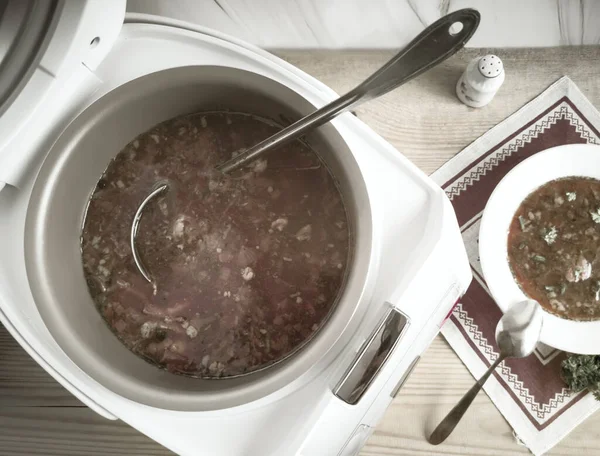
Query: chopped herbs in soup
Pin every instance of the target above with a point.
(247, 266)
(554, 247)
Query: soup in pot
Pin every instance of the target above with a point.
(246, 268)
(554, 247)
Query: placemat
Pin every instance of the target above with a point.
(528, 392)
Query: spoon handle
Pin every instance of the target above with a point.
(432, 46)
(447, 425)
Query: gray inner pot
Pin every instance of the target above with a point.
(57, 207)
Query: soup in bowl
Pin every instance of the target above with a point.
(540, 239)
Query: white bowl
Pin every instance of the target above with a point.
(563, 161)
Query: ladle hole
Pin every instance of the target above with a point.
(455, 28)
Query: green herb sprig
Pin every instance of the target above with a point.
(582, 372)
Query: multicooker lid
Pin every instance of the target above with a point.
(41, 43)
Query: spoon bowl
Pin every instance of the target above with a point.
(518, 331)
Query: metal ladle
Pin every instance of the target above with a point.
(134, 229)
(432, 46)
(517, 335)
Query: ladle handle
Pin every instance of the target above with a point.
(445, 428)
(432, 46)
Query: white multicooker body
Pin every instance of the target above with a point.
(419, 264)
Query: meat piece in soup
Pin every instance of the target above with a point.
(248, 267)
(554, 247)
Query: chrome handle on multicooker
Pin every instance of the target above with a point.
(372, 356)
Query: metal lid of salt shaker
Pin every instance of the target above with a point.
(480, 81)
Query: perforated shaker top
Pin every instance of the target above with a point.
(490, 66)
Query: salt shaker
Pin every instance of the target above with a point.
(480, 81)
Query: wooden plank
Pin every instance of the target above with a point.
(426, 122)
(24, 383)
(62, 431)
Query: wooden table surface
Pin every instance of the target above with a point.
(423, 120)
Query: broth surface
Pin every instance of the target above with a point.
(554, 247)
(247, 267)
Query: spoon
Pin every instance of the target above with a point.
(432, 46)
(517, 334)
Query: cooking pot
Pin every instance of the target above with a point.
(58, 204)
